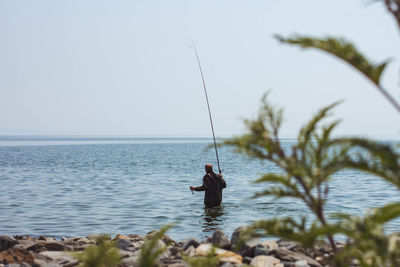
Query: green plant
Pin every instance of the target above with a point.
(102, 254)
(153, 248)
(310, 164)
(368, 242)
(305, 171)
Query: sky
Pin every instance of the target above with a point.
(127, 67)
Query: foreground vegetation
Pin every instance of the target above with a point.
(308, 168)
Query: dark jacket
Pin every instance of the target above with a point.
(212, 185)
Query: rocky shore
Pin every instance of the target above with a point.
(46, 251)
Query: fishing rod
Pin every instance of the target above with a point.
(208, 105)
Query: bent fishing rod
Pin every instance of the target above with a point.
(208, 105)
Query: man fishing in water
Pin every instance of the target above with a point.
(212, 185)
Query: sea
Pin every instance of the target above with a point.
(79, 186)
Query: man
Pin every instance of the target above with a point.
(213, 184)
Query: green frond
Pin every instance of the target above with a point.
(307, 131)
(153, 248)
(367, 241)
(274, 178)
(103, 254)
(278, 192)
(387, 213)
(261, 141)
(343, 49)
(305, 176)
(376, 158)
(327, 130)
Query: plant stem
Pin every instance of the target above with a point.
(321, 217)
(389, 98)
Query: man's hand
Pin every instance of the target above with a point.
(191, 188)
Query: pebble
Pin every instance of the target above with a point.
(190, 242)
(7, 242)
(266, 261)
(46, 251)
(219, 239)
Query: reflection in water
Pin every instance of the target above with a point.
(213, 218)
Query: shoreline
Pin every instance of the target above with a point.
(47, 251)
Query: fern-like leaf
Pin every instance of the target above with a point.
(342, 49)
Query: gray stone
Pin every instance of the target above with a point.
(24, 244)
(248, 248)
(260, 249)
(175, 250)
(301, 264)
(288, 255)
(131, 261)
(137, 244)
(219, 239)
(45, 238)
(52, 246)
(178, 264)
(126, 253)
(168, 240)
(290, 245)
(247, 259)
(59, 257)
(78, 243)
(236, 235)
(123, 244)
(190, 242)
(88, 240)
(265, 261)
(42, 263)
(7, 242)
(270, 244)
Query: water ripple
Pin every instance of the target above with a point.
(68, 190)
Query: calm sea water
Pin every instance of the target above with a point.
(80, 186)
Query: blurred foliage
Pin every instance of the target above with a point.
(368, 243)
(153, 248)
(378, 159)
(305, 172)
(342, 49)
(211, 259)
(393, 6)
(103, 254)
(347, 51)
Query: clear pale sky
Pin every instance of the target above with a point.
(126, 67)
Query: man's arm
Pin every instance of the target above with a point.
(202, 187)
